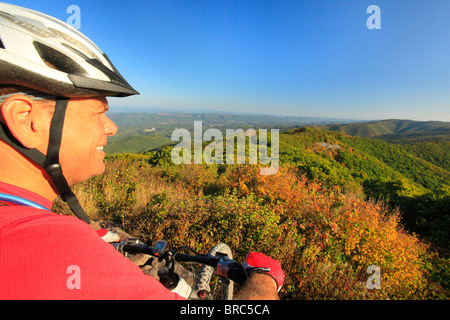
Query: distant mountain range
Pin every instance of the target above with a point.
(213, 112)
(142, 129)
(396, 131)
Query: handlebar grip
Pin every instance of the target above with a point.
(124, 247)
(237, 274)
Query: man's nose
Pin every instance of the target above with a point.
(110, 126)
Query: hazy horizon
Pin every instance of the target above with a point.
(323, 58)
(133, 109)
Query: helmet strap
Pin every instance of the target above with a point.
(52, 165)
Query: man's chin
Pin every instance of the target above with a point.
(101, 169)
(98, 170)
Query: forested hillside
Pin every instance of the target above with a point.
(361, 159)
(396, 131)
(380, 170)
(391, 126)
(337, 205)
(140, 131)
(435, 152)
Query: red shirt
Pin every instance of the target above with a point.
(44, 255)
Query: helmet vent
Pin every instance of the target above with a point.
(73, 42)
(78, 52)
(2, 46)
(58, 60)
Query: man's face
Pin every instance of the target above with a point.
(85, 132)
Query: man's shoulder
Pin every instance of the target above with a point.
(17, 214)
(39, 249)
(13, 217)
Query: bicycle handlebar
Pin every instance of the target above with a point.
(223, 265)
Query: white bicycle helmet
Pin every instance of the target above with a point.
(46, 55)
(43, 53)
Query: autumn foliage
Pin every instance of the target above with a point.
(325, 238)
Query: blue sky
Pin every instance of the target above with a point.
(301, 58)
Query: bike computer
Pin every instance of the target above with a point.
(159, 248)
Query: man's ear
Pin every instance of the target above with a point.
(18, 113)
